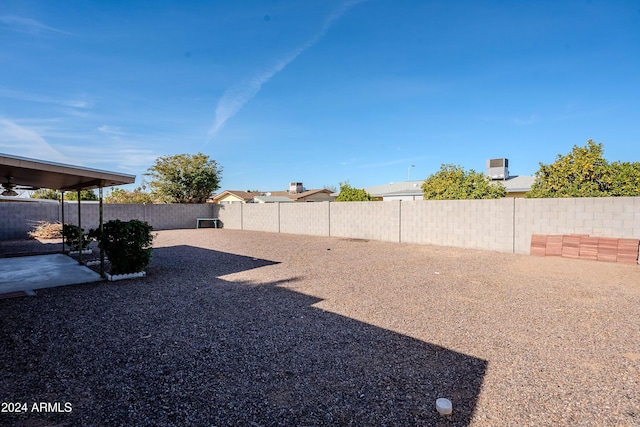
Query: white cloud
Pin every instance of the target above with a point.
(110, 130)
(238, 95)
(79, 103)
(28, 138)
(119, 157)
(28, 25)
(26, 142)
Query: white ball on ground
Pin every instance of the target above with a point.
(444, 406)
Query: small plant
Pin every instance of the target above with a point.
(127, 244)
(75, 237)
(46, 230)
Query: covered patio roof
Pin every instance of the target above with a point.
(34, 173)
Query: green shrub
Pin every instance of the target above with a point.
(75, 237)
(127, 244)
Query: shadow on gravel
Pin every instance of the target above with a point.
(184, 347)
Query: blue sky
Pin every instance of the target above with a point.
(318, 91)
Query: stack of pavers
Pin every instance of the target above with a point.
(583, 246)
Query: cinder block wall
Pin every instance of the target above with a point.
(504, 225)
(229, 214)
(366, 220)
(18, 218)
(305, 218)
(595, 216)
(175, 216)
(261, 217)
(482, 224)
(125, 212)
(161, 217)
(91, 213)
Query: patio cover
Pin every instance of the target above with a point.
(57, 176)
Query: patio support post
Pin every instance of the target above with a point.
(100, 236)
(80, 228)
(62, 201)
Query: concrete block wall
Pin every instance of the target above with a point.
(229, 214)
(305, 218)
(161, 217)
(261, 217)
(18, 218)
(176, 216)
(481, 224)
(504, 225)
(366, 220)
(124, 212)
(595, 216)
(89, 212)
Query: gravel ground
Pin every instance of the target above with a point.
(236, 328)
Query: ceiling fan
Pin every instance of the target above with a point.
(9, 187)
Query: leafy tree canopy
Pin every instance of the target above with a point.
(84, 195)
(184, 178)
(68, 195)
(136, 196)
(452, 182)
(584, 172)
(45, 193)
(350, 194)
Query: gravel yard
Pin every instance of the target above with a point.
(237, 328)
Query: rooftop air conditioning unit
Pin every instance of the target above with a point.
(498, 168)
(295, 187)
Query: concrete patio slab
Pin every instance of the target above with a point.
(42, 271)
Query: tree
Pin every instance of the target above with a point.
(625, 179)
(69, 195)
(584, 172)
(184, 178)
(350, 194)
(45, 193)
(137, 196)
(452, 182)
(84, 195)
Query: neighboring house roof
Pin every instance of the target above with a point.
(268, 196)
(513, 184)
(518, 183)
(297, 196)
(405, 188)
(272, 199)
(244, 195)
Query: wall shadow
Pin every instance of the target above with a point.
(184, 347)
(201, 263)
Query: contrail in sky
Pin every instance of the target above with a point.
(28, 25)
(236, 96)
(27, 142)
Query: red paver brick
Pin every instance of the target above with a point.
(571, 246)
(608, 249)
(554, 245)
(628, 251)
(589, 248)
(538, 244)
